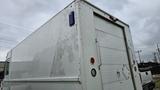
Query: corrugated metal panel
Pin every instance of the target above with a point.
(114, 69)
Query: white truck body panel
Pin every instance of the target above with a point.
(146, 77)
(112, 47)
(57, 56)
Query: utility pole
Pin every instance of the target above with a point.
(155, 58)
(139, 56)
(158, 49)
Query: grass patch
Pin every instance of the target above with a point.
(157, 84)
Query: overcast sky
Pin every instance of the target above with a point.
(19, 18)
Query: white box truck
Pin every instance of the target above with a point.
(80, 48)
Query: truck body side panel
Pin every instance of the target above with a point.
(49, 53)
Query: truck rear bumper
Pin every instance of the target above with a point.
(149, 86)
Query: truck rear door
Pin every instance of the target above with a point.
(112, 52)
